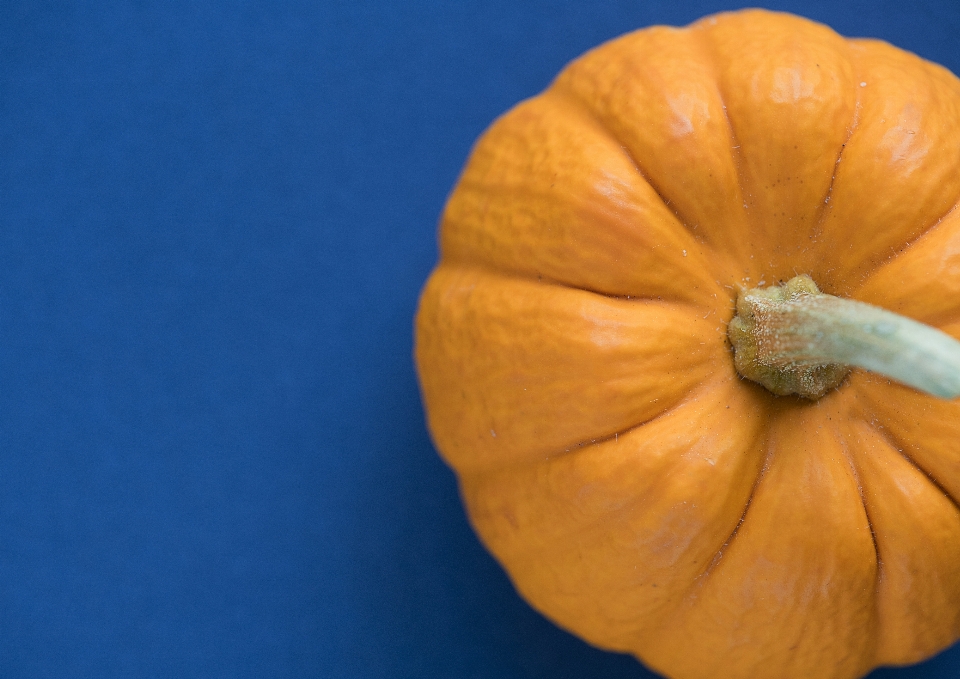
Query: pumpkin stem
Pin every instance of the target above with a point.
(794, 339)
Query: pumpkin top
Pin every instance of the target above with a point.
(573, 354)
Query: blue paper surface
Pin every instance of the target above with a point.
(215, 220)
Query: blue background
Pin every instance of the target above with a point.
(215, 219)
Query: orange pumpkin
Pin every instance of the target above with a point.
(572, 346)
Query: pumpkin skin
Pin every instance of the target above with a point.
(572, 352)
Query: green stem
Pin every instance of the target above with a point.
(795, 339)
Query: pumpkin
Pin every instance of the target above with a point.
(577, 347)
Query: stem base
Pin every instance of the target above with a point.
(759, 332)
